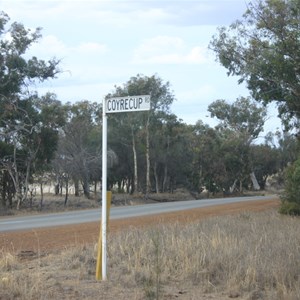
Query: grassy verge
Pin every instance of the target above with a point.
(246, 256)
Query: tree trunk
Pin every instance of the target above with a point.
(200, 183)
(14, 175)
(148, 182)
(8, 189)
(256, 186)
(232, 188)
(129, 186)
(165, 181)
(166, 166)
(76, 186)
(16, 179)
(135, 167)
(67, 192)
(4, 189)
(42, 195)
(241, 186)
(16, 182)
(86, 187)
(156, 178)
(95, 190)
(26, 183)
(86, 180)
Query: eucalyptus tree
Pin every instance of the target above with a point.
(171, 153)
(288, 148)
(21, 125)
(79, 153)
(240, 124)
(141, 124)
(208, 168)
(262, 50)
(122, 138)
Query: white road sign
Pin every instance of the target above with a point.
(127, 104)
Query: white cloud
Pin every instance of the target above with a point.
(110, 13)
(50, 45)
(91, 48)
(202, 93)
(197, 55)
(168, 50)
(77, 92)
(80, 63)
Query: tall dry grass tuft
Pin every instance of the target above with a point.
(17, 283)
(56, 276)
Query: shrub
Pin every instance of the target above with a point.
(290, 208)
(291, 198)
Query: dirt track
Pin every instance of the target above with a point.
(57, 238)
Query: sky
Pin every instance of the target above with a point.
(103, 43)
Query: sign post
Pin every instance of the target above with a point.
(104, 188)
(114, 105)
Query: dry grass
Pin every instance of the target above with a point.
(246, 256)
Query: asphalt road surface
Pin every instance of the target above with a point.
(92, 215)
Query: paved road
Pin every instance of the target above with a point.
(83, 216)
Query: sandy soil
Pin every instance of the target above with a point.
(57, 238)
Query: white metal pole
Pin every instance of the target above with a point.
(104, 187)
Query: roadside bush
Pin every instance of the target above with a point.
(291, 198)
(290, 208)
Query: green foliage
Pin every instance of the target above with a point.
(291, 197)
(289, 208)
(262, 50)
(265, 162)
(243, 116)
(28, 129)
(208, 169)
(148, 135)
(288, 148)
(78, 155)
(240, 123)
